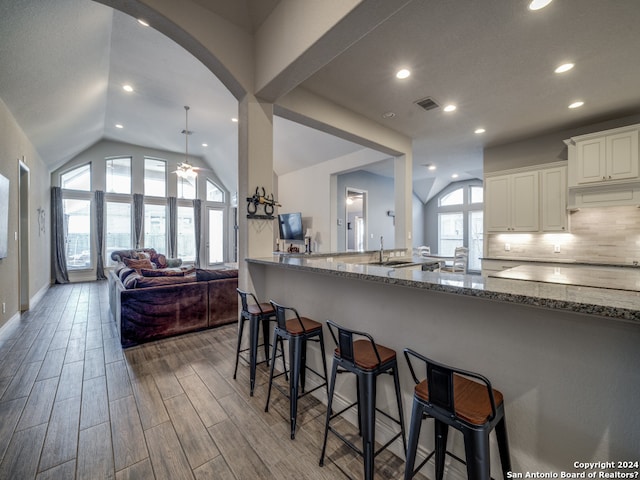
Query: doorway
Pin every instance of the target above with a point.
(23, 244)
(356, 215)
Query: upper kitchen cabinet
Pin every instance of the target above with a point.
(511, 202)
(527, 200)
(602, 157)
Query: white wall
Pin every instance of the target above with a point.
(15, 146)
(309, 190)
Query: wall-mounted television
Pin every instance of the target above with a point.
(290, 226)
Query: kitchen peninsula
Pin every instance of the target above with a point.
(565, 356)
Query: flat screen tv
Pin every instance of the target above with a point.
(290, 226)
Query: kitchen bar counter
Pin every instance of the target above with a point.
(565, 357)
(609, 297)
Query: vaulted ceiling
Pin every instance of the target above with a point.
(63, 63)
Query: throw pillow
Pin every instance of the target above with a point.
(138, 264)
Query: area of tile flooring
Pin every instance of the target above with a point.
(74, 405)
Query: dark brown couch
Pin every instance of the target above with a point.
(150, 308)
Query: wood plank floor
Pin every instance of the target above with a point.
(74, 405)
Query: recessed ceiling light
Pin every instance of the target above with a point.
(127, 88)
(478, 131)
(565, 67)
(143, 22)
(403, 73)
(388, 115)
(431, 167)
(450, 108)
(234, 119)
(455, 175)
(205, 144)
(118, 125)
(576, 104)
(538, 4)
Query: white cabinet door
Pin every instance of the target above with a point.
(622, 155)
(525, 202)
(497, 203)
(591, 160)
(511, 203)
(553, 201)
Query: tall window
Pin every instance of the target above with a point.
(77, 179)
(460, 221)
(155, 227)
(187, 187)
(118, 229)
(186, 234)
(118, 175)
(77, 228)
(214, 193)
(155, 177)
(216, 236)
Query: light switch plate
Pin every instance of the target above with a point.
(556, 249)
(507, 247)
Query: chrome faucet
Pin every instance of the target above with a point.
(381, 249)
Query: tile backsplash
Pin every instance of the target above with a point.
(599, 235)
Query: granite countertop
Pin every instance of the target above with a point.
(612, 303)
(597, 277)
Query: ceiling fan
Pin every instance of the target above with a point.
(185, 169)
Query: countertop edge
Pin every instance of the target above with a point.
(468, 285)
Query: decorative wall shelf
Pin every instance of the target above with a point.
(255, 216)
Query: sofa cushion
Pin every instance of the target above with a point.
(162, 272)
(138, 264)
(205, 275)
(159, 281)
(125, 272)
(131, 281)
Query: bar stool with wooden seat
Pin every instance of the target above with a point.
(467, 402)
(255, 313)
(298, 331)
(367, 360)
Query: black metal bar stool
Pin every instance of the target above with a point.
(255, 313)
(467, 402)
(367, 360)
(297, 331)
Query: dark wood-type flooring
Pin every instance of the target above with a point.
(74, 405)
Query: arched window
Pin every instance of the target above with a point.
(214, 193)
(460, 221)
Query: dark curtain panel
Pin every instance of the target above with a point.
(99, 199)
(58, 237)
(138, 216)
(173, 227)
(197, 221)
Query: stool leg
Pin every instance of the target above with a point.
(441, 433)
(295, 359)
(284, 364)
(240, 329)
(476, 447)
(274, 351)
(332, 383)
(324, 362)
(265, 338)
(358, 406)
(414, 436)
(396, 382)
(254, 324)
(303, 365)
(368, 422)
(503, 446)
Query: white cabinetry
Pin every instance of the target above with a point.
(553, 199)
(527, 200)
(511, 202)
(603, 157)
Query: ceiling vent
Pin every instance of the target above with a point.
(427, 103)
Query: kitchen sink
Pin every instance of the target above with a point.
(393, 263)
